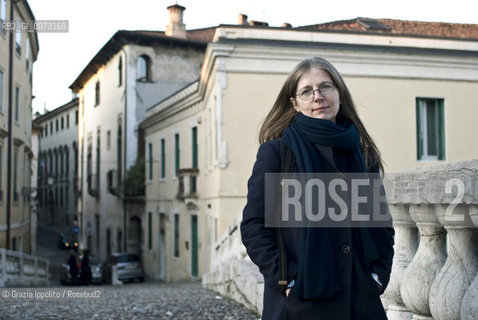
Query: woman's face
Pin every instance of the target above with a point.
(324, 102)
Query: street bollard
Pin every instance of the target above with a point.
(114, 277)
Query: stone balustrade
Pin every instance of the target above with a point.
(19, 269)
(435, 269)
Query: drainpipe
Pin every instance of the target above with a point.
(10, 127)
(124, 149)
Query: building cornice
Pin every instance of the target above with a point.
(387, 40)
(73, 104)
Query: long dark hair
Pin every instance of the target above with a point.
(283, 113)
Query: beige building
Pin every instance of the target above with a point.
(414, 84)
(133, 70)
(58, 166)
(15, 140)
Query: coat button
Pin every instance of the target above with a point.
(345, 249)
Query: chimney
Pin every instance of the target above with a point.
(242, 19)
(176, 27)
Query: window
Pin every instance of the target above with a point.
(51, 127)
(194, 138)
(3, 10)
(163, 159)
(17, 104)
(62, 123)
(143, 66)
(61, 169)
(46, 130)
(89, 165)
(57, 167)
(56, 125)
(120, 72)
(98, 156)
(150, 231)
(176, 235)
(61, 197)
(176, 153)
(1, 91)
(108, 140)
(18, 42)
(97, 93)
(430, 129)
(119, 151)
(76, 117)
(150, 161)
(15, 174)
(67, 163)
(27, 54)
(67, 121)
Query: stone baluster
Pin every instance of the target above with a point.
(427, 262)
(460, 267)
(405, 248)
(469, 304)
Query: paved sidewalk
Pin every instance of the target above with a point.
(150, 300)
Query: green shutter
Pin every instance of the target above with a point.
(176, 148)
(194, 133)
(150, 147)
(419, 131)
(194, 246)
(150, 230)
(441, 129)
(163, 159)
(195, 147)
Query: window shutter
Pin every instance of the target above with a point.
(419, 131)
(441, 130)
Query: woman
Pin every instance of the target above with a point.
(316, 273)
(85, 275)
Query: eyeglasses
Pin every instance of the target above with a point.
(325, 88)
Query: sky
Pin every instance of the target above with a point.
(92, 23)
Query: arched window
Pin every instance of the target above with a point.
(143, 68)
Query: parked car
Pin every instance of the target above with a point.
(95, 267)
(129, 267)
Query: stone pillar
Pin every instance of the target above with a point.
(460, 266)
(405, 248)
(469, 303)
(427, 262)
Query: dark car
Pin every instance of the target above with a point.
(129, 267)
(67, 242)
(64, 241)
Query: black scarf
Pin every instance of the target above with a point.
(316, 276)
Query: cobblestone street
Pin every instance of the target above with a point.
(153, 300)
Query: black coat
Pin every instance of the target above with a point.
(73, 263)
(359, 298)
